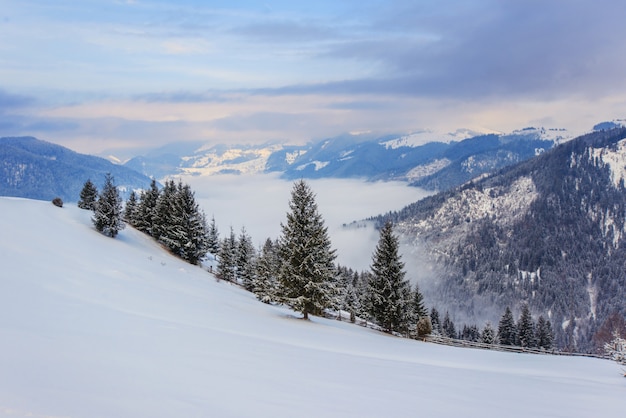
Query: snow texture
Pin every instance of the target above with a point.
(99, 327)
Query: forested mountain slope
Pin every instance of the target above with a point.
(37, 169)
(549, 231)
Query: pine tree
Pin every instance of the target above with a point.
(245, 260)
(130, 208)
(143, 219)
(449, 329)
(307, 272)
(389, 293)
(265, 283)
(488, 336)
(165, 212)
(191, 232)
(435, 321)
(107, 216)
(214, 238)
(350, 301)
(507, 334)
(419, 309)
(526, 328)
(88, 196)
(544, 334)
(227, 263)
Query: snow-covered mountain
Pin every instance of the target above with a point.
(100, 327)
(550, 231)
(428, 159)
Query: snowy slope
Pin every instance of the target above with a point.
(97, 327)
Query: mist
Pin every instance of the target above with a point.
(260, 204)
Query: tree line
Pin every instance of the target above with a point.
(298, 269)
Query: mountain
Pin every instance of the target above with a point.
(37, 169)
(427, 159)
(197, 159)
(444, 162)
(101, 327)
(550, 231)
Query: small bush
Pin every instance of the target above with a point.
(57, 201)
(424, 327)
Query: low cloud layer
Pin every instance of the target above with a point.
(260, 204)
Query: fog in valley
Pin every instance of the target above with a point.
(260, 204)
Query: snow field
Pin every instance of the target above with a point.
(99, 327)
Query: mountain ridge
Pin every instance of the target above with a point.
(549, 231)
(37, 169)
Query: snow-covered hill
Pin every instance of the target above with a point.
(100, 327)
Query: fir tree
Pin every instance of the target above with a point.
(214, 238)
(165, 212)
(507, 333)
(449, 329)
(265, 280)
(143, 219)
(435, 321)
(488, 336)
(526, 328)
(307, 272)
(107, 216)
(349, 300)
(389, 292)
(130, 208)
(245, 260)
(88, 196)
(419, 309)
(544, 334)
(190, 233)
(470, 333)
(227, 260)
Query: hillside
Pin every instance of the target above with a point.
(101, 327)
(37, 169)
(549, 231)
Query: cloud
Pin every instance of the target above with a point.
(10, 102)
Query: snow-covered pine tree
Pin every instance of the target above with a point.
(507, 333)
(265, 283)
(488, 336)
(88, 196)
(130, 208)
(144, 215)
(165, 212)
(107, 217)
(307, 273)
(245, 260)
(449, 330)
(226, 262)
(214, 238)
(435, 321)
(419, 309)
(526, 328)
(389, 293)
(544, 334)
(349, 299)
(191, 232)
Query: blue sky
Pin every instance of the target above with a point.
(122, 76)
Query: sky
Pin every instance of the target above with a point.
(101, 75)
